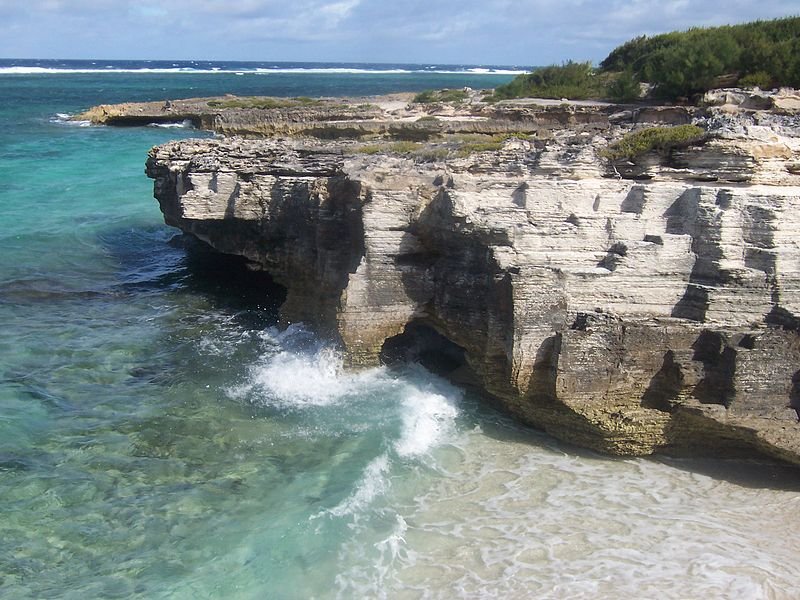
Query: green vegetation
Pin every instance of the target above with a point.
(370, 149)
(432, 96)
(679, 65)
(572, 80)
(404, 147)
(624, 87)
(685, 63)
(263, 103)
(662, 139)
(480, 143)
(448, 146)
(759, 79)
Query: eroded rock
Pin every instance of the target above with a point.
(653, 309)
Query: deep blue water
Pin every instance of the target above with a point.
(161, 438)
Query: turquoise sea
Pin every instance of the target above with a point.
(161, 437)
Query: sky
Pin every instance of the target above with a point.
(490, 32)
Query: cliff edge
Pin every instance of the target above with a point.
(632, 305)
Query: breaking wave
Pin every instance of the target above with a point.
(242, 70)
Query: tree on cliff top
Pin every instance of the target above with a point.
(680, 64)
(684, 63)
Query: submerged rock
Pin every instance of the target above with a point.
(640, 306)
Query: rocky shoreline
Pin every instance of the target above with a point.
(632, 306)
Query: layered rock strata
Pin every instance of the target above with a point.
(632, 307)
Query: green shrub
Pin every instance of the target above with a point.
(759, 79)
(369, 149)
(663, 139)
(624, 87)
(431, 154)
(687, 63)
(574, 80)
(432, 96)
(404, 147)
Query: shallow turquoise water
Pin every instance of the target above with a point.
(160, 438)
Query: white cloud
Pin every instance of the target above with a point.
(487, 31)
(339, 10)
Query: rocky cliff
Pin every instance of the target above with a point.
(630, 306)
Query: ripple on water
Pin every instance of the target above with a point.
(514, 520)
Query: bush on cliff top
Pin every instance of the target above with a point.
(683, 63)
(574, 80)
(680, 64)
(663, 139)
(432, 96)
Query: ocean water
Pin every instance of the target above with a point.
(160, 437)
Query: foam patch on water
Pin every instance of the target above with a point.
(298, 371)
(185, 124)
(428, 419)
(295, 380)
(372, 484)
(66, 119)
(26, 70)
(404, 417)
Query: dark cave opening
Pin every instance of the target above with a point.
(421, 343)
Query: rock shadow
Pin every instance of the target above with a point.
(703, 223)
(719, 369)
(794, 394)
(665, 385)
(543, 379)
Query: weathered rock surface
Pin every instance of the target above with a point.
(631, 308)
(393, 116)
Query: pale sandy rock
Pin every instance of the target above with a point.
(631, 308)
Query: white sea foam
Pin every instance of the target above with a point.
(428, 418)
(185, 124)
(483, 71)
(332, 70)
(298, 371)
(415, 413)
(255, 71)
(293, 380)
(66, 119)
(106, 70)
(373, 483)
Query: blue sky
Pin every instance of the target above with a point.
(526, 32)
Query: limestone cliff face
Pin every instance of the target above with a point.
(631, 308)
